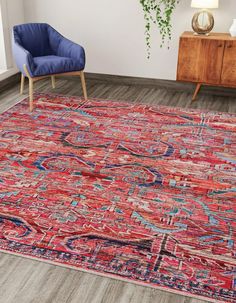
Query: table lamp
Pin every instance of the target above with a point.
(203, 21)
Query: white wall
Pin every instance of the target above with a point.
(15, 15)
(12, 12)
(3, 63)
(112, 31)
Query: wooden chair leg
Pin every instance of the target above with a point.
(53, 79)
(31, 88)
(31, 93)
(83, 85)
(196, 91)
(22, 84)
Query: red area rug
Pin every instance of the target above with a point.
(139, 193)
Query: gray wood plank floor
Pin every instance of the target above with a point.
(26, 281)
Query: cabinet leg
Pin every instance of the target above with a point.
(196, 91)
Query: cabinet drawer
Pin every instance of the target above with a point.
(189, 60)
(228, 76)
(213, 53)
(200, 60)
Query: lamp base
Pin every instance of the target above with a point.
(205, 34)
(203, 22)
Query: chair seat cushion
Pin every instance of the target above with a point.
(47, 65)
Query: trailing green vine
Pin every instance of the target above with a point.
(159, 13)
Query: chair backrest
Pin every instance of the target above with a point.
(34, 37)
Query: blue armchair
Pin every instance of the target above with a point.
(40, 52)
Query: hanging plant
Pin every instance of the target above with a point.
(159, 13)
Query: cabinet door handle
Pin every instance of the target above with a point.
(220, 45)
(229, 46)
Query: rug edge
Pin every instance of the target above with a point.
(199, 110)
(111, 276)
(11, 106)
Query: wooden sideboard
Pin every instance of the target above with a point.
(207, 60)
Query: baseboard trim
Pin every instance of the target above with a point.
(137, 81)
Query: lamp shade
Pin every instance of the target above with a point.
(205, 3)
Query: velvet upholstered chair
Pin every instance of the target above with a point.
(40, 52)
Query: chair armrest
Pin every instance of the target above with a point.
(22, 56)
(71, 50)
